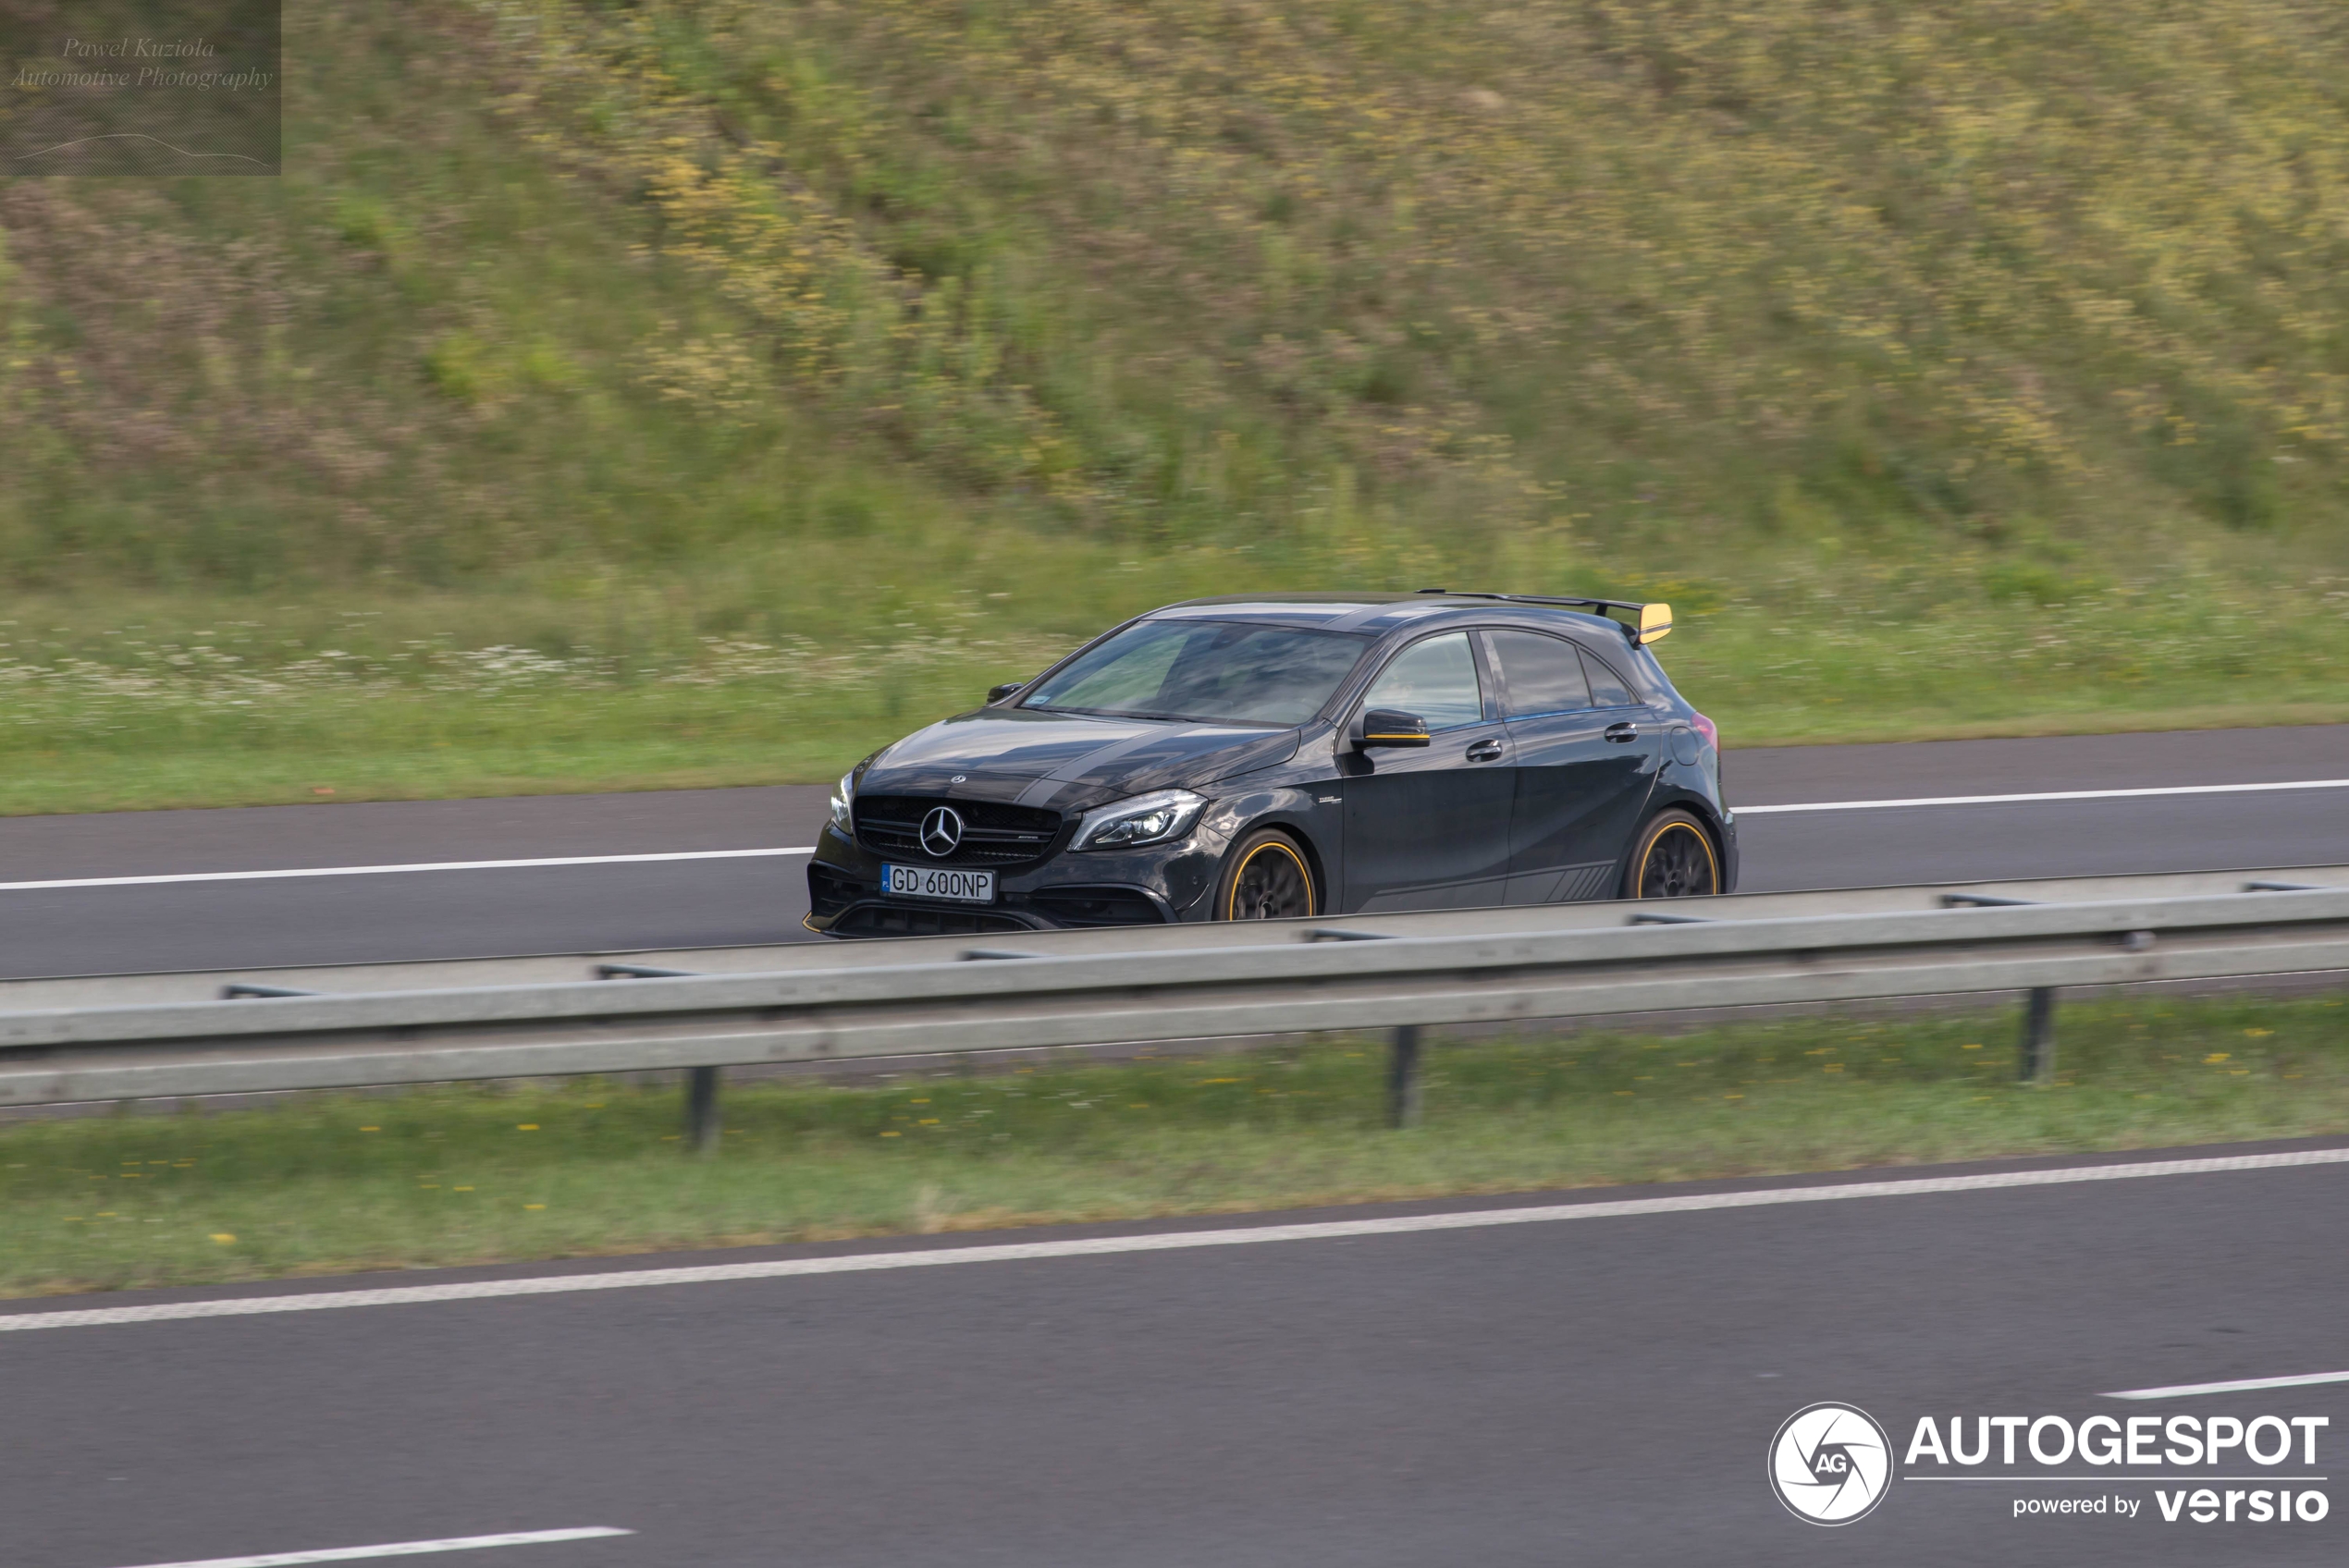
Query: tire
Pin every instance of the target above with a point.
(1672, 858)
(1268, 877)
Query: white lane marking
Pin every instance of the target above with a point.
(1166, 1241)
(2052, 795)
(2240, 1386)
(399, 1548)
(392, 870)
(810, 849)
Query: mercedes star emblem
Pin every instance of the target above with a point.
(942, 831)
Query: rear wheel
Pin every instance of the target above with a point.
(1674, 858)
(1267, 878)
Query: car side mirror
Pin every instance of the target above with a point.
(997, 693)
(1390, 726)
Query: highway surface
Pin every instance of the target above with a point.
(127, 925)
(1552, 1391)
(1453, 1382)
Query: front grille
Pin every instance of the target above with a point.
(902, 919)
(829, 892)
(993, 833)
(1096, 906)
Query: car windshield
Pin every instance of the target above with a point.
(1214, 671)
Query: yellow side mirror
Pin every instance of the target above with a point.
(1656, 623)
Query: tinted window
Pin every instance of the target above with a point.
(1606, 687)
(1648, 677)
(1216, 671)
(1435, 680)
(1540, 674)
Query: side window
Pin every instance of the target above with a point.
(1648, 677)
(1435, 680)
(1607, 690)
(1538, 674)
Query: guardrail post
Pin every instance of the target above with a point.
(703, 1120)
(2037, 1061)
(1403, 1079)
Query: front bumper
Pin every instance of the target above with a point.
(1157, 885)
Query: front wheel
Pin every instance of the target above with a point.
(1267, 879)
(1674, 858)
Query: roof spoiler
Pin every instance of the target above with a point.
(1650, 622)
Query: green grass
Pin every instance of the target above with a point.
(448, 1176)
(1954, 370)
(127, 702)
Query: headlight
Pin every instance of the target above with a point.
(1146, 819)
(843, 798)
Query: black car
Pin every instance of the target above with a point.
(1292, 755)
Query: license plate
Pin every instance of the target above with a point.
(939, 882)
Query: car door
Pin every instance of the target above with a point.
(1430, 828)
(1583, 761)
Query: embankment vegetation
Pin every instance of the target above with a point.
(701, 389)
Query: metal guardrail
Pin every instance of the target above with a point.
(1100, 987)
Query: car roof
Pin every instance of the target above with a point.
(1375, 614)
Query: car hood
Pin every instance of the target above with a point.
(1068, 760)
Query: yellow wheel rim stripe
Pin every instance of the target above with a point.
(1711, 860)
(1232, 904)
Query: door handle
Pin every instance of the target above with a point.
(1624, 731)
(1486, 750)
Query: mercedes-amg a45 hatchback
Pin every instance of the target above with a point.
(1294, 755)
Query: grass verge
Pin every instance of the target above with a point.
(730, 743)
(114, 703)
(469, 1175)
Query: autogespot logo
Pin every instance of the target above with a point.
(1830, 1464)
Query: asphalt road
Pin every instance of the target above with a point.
(459, 913)
(1594, 1392)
